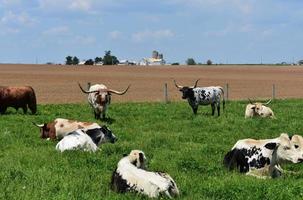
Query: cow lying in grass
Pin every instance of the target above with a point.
(86, 140)
(130, 176)
(258, 109)
(60, 127)
(262, 158)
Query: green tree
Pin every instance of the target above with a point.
(190, 61)
(68, 60)
(75, 60)
(209, 62)
(98, 59)
(89, 62)
(109, 59)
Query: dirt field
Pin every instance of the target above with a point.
(58, 84)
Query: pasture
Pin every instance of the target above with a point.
(190, 148)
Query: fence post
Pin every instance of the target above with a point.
(226, 89)
(88, 85)
(273, 91)
(165, 93)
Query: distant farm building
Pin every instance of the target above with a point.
(156, 59)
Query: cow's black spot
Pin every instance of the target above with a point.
(236, 159)
(119, 184)
(271, 145)
(95, 135)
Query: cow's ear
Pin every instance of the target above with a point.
(125, 154)
(141, 157)
(271, 145)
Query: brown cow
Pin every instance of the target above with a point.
(59, 128)
(17, 97)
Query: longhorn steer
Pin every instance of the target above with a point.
(202, 96)
(87, 140)
(99, 98)
(60, 127)
(258, 109)
(130, 176)
(18, 97)
(262, 158)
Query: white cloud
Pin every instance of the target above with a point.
(71, 5)
(114, 35)
(152, 35)
(84, 40)
(59, 30)
(22, 18)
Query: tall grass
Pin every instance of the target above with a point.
(190, 148)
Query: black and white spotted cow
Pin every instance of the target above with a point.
(262, 158)
(86, 139)
(130, 175)
(202, 96)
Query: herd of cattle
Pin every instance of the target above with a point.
(260, 158)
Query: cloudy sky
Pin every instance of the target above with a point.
(225, 31)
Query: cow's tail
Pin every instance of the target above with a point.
(229, 160)
(32, 102)
(222, 95)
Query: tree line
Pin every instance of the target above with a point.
(107, 59)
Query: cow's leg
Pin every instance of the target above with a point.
(213, 107)
(24, 108)
(195, 109)
(218, 109)
(2, 110)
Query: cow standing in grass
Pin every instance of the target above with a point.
(18, 97)
(262, 158)
(202, 96)
(99, 98)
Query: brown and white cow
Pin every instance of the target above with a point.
(99, 98)
(262, 158)
(258, 109)
(60, 127)
(18, 97)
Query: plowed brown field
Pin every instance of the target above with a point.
(58, 84)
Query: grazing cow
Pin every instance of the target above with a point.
(258, 109)
(131, 176)
(87, 140)
(202, 96)
(58, 128)
(18, 97)
(99, 98)
(262, 158)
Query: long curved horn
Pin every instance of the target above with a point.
(178, 86)
(267, 102)
(250, 101)
(195, 84)
(38, 125)
(87, 92)
(117, 92)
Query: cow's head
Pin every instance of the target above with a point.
(187, 91)
(257, 107)
(137, 158)
(108, 135)
(287, 149)
(103, 96)
(47, 130)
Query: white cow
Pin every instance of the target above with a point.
(99, 98)
(86, 140)
(262, 158)
(258, 109)
(130, 176)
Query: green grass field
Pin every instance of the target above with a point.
(190, 148)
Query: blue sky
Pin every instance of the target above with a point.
(225, 31)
